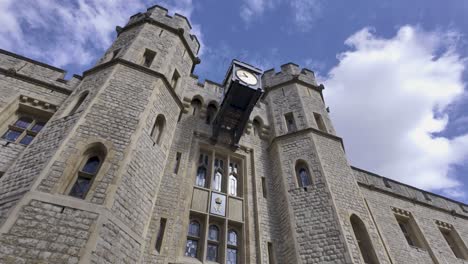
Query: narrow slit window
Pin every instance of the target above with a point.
(264, 188)
(148, 57)
(158, 129)
(271, 257)
(177, 162)
(290, 123)
(320, 123)
(175, 79)
(115, 53)
(160, 237)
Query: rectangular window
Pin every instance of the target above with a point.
(160, 237)
(148, 57)
(23, 130)
(455, 243)
(177, 162)
(409, 230)
(175, 79)
(320, 123)
(290, 123)
(264, 188)
(271, 257)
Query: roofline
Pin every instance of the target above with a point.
(2, 51)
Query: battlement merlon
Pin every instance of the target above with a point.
(178, 24)
(290, 73)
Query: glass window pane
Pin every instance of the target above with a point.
(201, 177)
(213, 233)
(232, 256)
(232, 238)
(194, 229)
(38, 127)
(23, 122)
(26, 139)
(304, 177)
(91, 165)
(81, 187)
(212, 252)
(191, 248)
(11, 135)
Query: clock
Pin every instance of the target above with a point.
(247, 77)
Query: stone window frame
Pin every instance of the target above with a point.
(95, 148)
(24, 106)
(212, 242)
(301, 164)
(453, 239)
(95, 151)
(238, 246)
(148, 57)
(196, 105)
(25, 132)
(318, 118)
(158, 129)
(409, 229)
(363, 240)
(199, 239)
(290, 121)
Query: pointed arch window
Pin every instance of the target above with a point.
(218, 175)
(213, 243)
(232, 247)
(158, 129)
(202, 171)
(232, 190)
(303, 174)
(210, 113)
(87, 173)
(191, 247)
(78, 103)
(363, 240)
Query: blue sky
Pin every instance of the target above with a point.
(395, 71)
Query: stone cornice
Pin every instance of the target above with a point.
(32, 80)
(304, 132)
(31, 60)
(141, 68)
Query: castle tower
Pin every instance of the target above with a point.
(90, 179)
(136, 161)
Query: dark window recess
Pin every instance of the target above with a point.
(455, 243)
(148, 57)
(320, 123)
(175, 79)
(115, 53)
(177, 162)
(264, 188)
(160, 237)
(290, 123)
(23, 130)
(271, 258)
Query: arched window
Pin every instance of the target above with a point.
(218, 175)
(363, 240)
(302, 174)
(79, 102)
(158, 129)
(210, 113)
(213, 243)
(196, 106)
(256, 127)
(201, 177)
(232, 250)
(193, 237)
(87, 172)
(232, 185)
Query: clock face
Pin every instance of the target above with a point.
(246, 77)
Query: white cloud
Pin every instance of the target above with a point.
(65, 32)
(304, 12)
(388, 96)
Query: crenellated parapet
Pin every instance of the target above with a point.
(178, 24)
(290, 72)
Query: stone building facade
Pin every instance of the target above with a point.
(120, 166)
